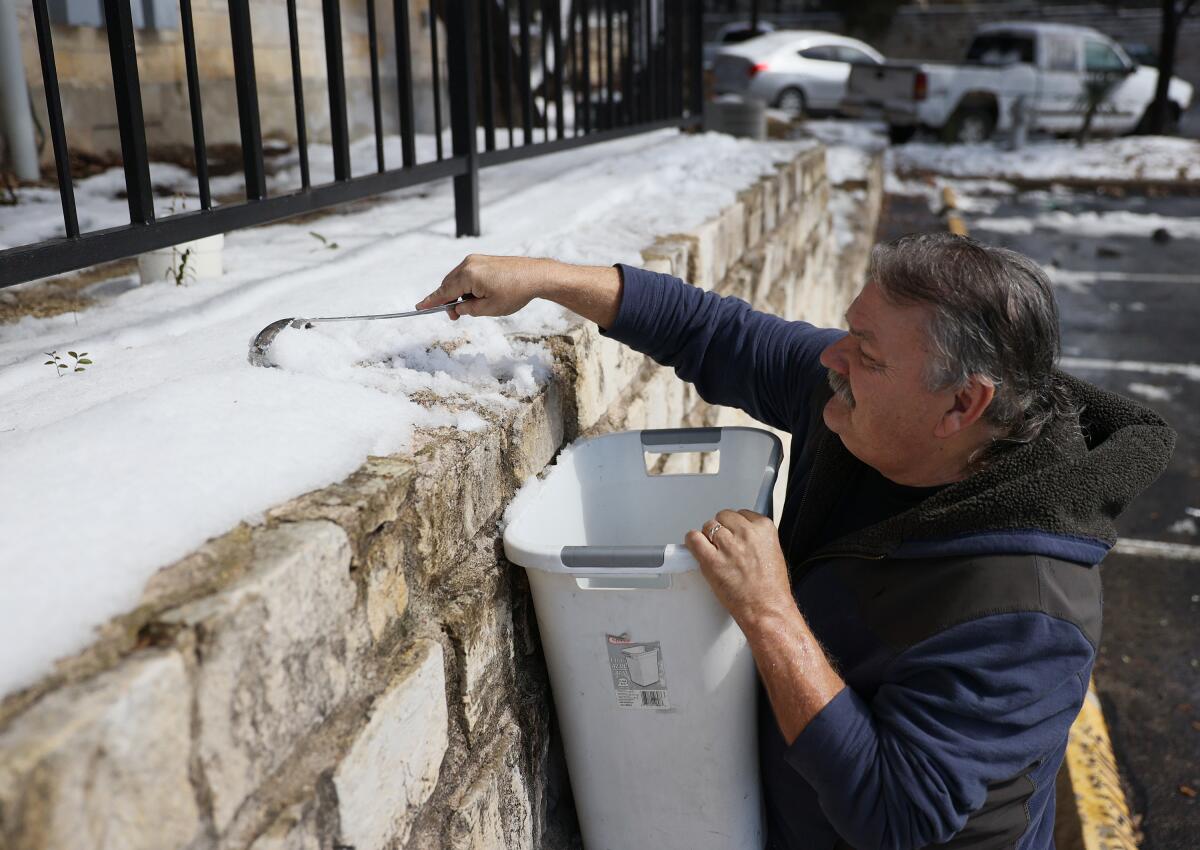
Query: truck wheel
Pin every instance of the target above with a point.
(899, 134)
(791, 100)
(969, 125)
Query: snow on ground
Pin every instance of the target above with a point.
(1152, 392)
(38, 215)
(171, 437)
(1126, 158)
(1096, 225)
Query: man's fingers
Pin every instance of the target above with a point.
(732, 520)
(699, 545)
(453, 286)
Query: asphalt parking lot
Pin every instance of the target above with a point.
(1130, 307)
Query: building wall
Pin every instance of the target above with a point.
(89, 111)
(362, 668)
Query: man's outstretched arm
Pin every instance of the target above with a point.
(733, 354)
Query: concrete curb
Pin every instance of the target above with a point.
(1103, 813)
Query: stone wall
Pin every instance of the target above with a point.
(362, 668)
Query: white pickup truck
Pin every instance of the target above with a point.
(1034, 73)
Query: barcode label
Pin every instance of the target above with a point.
(638, 673)
(654, 699)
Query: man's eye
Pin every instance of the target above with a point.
(870, 362)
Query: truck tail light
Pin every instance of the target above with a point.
(756, 69)
(920, 85)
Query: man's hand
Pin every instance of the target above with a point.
(744, 565)
(501, 285)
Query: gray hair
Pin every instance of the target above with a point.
(993, 318)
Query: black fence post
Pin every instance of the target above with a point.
(58, 133)
(247, 98)
(128, 90)
(404, 84)
(339, 130)
(697, 38)
(460, 38)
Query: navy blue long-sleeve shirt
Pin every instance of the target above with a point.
(928, 733)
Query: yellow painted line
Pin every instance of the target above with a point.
(956, 225)
(949, 199)
(1103, 813)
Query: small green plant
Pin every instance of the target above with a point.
(182, 268)
(61, 366)
(325, 243)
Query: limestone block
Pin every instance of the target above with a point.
(770, 209)
(481, 625)
(295, 829)
(753, 200)
(656, 395)
(276, 650)
(667, 256)
(462, 484)
(494, 809)
(103, 764)
(392, 767)
(604, 368)
(387, 586)
(536, 433)
(716, 245)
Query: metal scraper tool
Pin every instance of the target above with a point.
(263, 339)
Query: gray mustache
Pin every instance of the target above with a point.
(841, 387)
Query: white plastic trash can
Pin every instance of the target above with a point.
(653, 681)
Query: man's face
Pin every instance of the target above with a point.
(881, 408)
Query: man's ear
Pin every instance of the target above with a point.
(968, 404)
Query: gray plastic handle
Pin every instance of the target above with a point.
(614, 557)
(680, 437)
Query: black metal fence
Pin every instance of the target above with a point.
(623, 67)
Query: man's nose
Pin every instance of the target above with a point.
(834, 357)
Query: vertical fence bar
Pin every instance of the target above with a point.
(526, 71)
(460, 40)
(610, 77)
(559, 122)
(573, 37)
(647, 62)
(376, 101)
(630, 96)
(199, 149)
(127, 88)
(437, 76)
(298, 94)
(674, 58)
(697, 34)
(544, 16)
(58, 134)
(586, 33)
(404, 84)
(488, 95)
(247, 98)
(339, 131)
(508, 71)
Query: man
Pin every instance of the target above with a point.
(926, 616)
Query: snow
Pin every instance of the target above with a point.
(1094, 224)
(1151, 392)
(1183, 526)
(171, 437)
(1127, 158)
